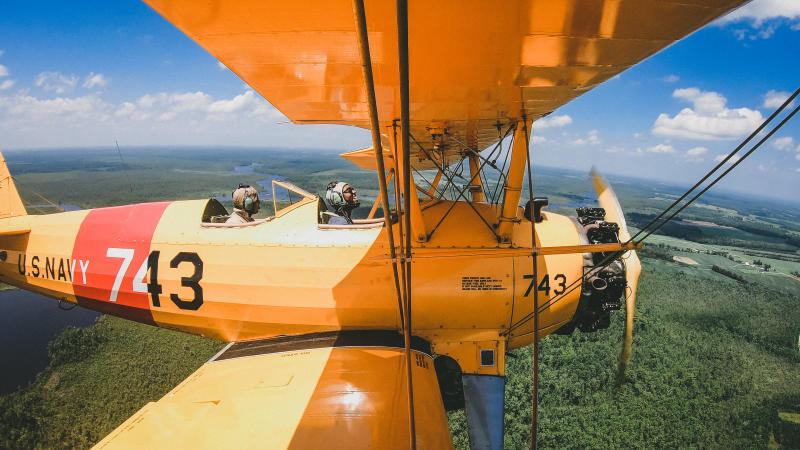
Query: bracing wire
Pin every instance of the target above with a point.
(612, 256)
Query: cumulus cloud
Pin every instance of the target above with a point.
(733, 159)
(671, 78)
(552, 122)
(774, 99)
(538, 139)
(764, 18)
(70, 109)
(697, 151)
(3, 71)
(708, 120)
(126, 109)
(615, 149)
(784, 144)
(661, 148)
(197, 106)
(181, 118)
(238, 103)
(759, 11)
(6, 84)
(94, 80)
(591, 138)
(55, 81)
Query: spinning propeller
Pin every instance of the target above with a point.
(633, 267)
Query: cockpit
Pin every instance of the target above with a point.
(286, 197)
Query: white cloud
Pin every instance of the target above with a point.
(32, 108)
(762, 168)
(733, 159)
(764, 17)
(671, 78)
(615, 149)
(709, 120)
(3, 71)
(221, 66)
(797, 170)
(797, 156)
(552, 122)
(773, 99)
(1, 52)
(126, 109)
(94, 80)
(169, 106)
(697, 151)
(55, 81)
(784, 144)
(537, 139)
(182, 118)
(6, 84)
(238, 103)
(593, 139)
(762, 10)
(661, 148)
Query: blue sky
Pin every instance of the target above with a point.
(86, 73)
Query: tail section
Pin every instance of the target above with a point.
(10, 201)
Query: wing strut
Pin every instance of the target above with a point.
(405, 124)
(535, 257)
(366, 63)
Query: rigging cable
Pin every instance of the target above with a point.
(614, 255)
(127, 177)
(721, 163)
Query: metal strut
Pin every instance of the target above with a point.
(535, 257)
(405, 123)
(366, 65)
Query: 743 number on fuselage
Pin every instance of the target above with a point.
(152, 287)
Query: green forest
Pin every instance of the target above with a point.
(716, 362)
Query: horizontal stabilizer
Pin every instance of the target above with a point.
(365, 158)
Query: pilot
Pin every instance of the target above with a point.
(343, 199)
(245, 205)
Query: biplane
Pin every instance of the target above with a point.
(333, 329)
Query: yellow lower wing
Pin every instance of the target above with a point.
(328, 390)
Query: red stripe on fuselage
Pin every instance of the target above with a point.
(108, 240)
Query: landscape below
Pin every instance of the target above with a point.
(716, 361)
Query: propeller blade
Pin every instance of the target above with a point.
(633, 267)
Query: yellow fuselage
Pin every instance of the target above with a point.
(290, 275)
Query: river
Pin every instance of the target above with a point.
(28, 322)
(266, 182)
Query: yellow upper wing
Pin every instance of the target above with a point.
(473, 63)
(328, 390)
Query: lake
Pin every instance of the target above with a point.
(28, 322)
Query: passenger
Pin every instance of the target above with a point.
(245, 205)
(343, 199)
